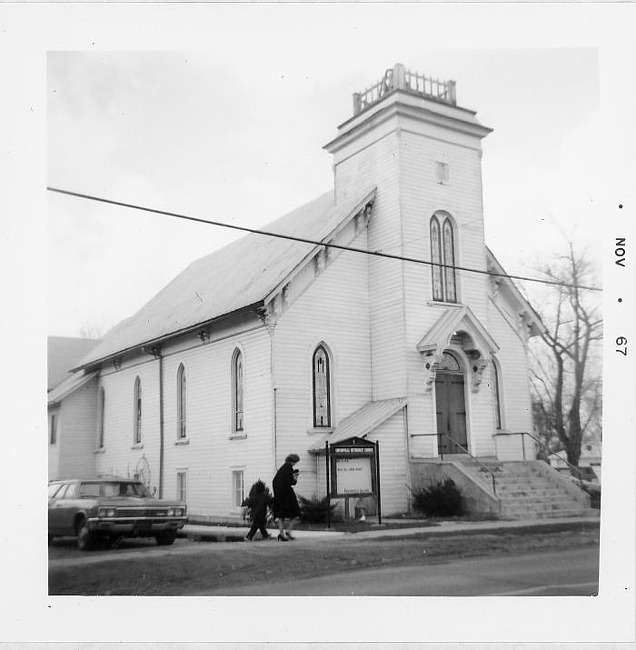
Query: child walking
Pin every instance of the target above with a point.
(258, 502)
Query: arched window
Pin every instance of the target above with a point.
(237, 390)
(443, 259)
(137, 410)
(495, 392)
(101, 418)
(181, 402)
(321, 388)
(53, 429)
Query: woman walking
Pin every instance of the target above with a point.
(285, 503)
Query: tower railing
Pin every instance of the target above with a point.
(399, 78)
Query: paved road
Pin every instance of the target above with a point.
(555, 573)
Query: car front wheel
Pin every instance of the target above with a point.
(85, 538)
(167, 538)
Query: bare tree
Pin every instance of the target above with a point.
(91, 330)
(565, 374)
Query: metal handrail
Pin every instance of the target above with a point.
(543, 446)
(492, 475)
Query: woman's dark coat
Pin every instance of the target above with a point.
(285, 502)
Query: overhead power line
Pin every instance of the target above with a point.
(303, 240)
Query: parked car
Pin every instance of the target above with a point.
(110, 508)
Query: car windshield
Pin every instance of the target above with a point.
(113, 489)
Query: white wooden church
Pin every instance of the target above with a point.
(275, 345)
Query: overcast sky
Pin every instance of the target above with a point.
(238, 137)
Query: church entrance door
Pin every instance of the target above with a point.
(451, 407)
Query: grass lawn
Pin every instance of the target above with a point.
(202, 566)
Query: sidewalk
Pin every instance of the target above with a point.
(214, 533)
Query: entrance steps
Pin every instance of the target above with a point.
(528, 489)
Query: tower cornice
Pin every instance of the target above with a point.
(407, 105)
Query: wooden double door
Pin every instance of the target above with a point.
(451, 413)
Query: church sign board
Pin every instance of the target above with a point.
(353, 469)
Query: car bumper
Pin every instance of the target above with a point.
(133, 526)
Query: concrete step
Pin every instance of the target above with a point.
(546, 505)
(524, 490)
(529, 500)
(532, 492)
(545, 514)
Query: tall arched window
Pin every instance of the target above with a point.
(101, 418)
(181, 402)
(321, 388)
(237, 390)
(443, 258)
(137, 409)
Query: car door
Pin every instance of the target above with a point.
(55, 494)
(64, 509)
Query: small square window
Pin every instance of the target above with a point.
(442, 173)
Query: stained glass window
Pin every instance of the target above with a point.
(322, 388)
(443, 259)
(181, 402)
(237, 390)
(101, 418)
(137, 407)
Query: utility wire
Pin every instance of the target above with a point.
(221, 224)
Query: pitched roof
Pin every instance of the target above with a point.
(237, 276)
(534, 320)
(361, 423)
(439, 335)
(63, 353)
(68, 386)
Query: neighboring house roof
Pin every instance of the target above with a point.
(63, 353)
(361, 423)
(238, 276)
(68, 386)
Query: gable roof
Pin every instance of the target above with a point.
(535, 323)
(237, 276)
(69, 386)
(62, 354)
(361, 423)
(439, 335)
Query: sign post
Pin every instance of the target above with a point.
(328, 491)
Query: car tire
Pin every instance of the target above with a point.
(85, 538)
(166, 539)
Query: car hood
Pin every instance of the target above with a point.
(144, 502)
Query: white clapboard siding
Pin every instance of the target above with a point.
(514, 389)
(421, 196)
(210, 450)
(76, 419)
(394, 469)
(120, 455)
(333, 310)
(55, 449)
(373, 161)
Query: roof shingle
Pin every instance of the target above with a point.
(236, 276)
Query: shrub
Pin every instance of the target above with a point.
(440, 500)
(314, 510)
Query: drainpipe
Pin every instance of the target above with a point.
(274, 400)
(155, 350)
